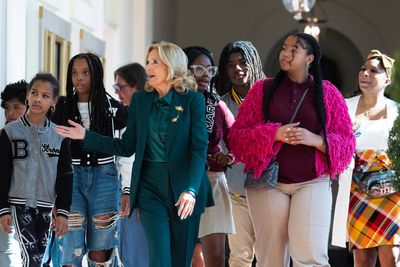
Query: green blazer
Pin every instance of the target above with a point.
(186, 144)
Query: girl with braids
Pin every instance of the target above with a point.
(295, 215)
(372, 223)
(93, 219)
(239, 68)
(216, 221)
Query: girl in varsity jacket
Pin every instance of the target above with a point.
(36, 172)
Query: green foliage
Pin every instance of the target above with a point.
(393, 90)
(394, 150)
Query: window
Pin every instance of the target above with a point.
(56, 57)
(55, 47)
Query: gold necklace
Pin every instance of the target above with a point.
(235, 97)
(369, 112)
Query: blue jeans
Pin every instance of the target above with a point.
(133, 242)
(94, 194)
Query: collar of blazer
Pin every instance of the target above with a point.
(178, 108)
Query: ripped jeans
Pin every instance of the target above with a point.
(93, 220)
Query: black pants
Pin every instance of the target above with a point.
(32, 227)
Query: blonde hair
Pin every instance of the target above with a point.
(178, 73)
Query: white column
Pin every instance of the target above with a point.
(32, 42)
(142, 24)
(3, 69)
(128, 39)
(16, 40)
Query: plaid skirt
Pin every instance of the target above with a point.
(372, 222)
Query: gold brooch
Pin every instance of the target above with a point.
(179, 109)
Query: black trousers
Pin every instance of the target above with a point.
(32, 228)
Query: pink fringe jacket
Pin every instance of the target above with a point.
(252, 140)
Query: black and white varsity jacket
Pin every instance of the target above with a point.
(115, 112)
(35, 167)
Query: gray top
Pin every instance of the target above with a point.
(235, 175)
(36, 168)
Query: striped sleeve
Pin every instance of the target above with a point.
(64, 180)
(6, 166)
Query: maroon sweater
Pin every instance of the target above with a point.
(223, 121)
(296, 163)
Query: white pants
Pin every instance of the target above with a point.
(295, 218)
(241, 244)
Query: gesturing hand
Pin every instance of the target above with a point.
(76, 132)
(186, 205)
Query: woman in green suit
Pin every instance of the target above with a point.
(167, 130)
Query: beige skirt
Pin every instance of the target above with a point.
(218, 218)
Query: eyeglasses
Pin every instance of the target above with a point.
(199, 70)
(118, 87)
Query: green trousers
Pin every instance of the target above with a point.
(171, 240)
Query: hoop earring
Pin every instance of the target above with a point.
(52, 108)
(26, 102)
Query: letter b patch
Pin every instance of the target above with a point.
(20, 149)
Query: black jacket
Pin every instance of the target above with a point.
(116, 113)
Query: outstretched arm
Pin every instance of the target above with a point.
(93, 141)
(76, 131)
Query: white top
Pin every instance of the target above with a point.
(83, 108)
(124, 167)
(376, 137)
(371, 134)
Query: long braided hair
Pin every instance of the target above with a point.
(310, 44)
(249, 53)
(98, 106)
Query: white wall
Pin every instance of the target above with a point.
(132, 25)
(13, 43)
(127, 38)
(16, 40)
(212, 23)
(365, 25)
(3, 32)
(126, 26)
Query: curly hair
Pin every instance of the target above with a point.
(15, 90)
(46, 77)
(178, 74)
